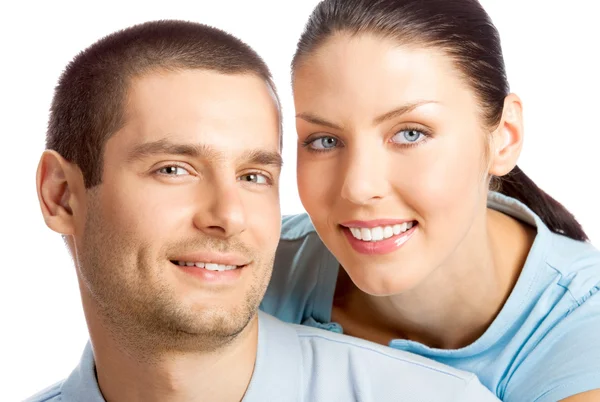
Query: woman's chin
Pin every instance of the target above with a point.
(383, 280)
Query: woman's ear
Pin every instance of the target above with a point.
(507, 139)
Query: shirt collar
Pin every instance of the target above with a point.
(276, 376)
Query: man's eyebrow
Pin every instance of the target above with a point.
(199, 151)
(167, 147)
(262, 157)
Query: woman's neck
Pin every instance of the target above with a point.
(456, 303)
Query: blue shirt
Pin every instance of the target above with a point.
(298, 363)
(543, 346)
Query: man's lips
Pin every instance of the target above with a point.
(225, 259)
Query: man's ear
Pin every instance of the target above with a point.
(507, 139)
(58, 185)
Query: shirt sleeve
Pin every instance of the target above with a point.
(565, 362)
(295, 272)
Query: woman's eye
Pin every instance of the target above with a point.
(324, 143)
(408, 137)
(173, 171)
(256, 178)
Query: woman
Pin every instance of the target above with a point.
(405, 127)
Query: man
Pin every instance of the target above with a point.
(161, 172)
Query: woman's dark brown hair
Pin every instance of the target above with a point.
(465, 32)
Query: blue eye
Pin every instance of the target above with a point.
(323, 143)
(409, 137)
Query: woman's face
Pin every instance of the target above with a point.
(391, 158)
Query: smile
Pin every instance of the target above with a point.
(207, 265)
(385, 238)
(379, 233)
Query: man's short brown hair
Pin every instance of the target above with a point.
(88, 103)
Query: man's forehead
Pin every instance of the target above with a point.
(227, 113)
(170, 90)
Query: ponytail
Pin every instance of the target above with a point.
(554, 215)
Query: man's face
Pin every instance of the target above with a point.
(179, 238)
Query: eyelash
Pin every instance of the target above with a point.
(259, 173)
(172, 164)
(269, 180)
(426, 134)
(306, 143)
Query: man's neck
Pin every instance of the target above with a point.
(220, 375)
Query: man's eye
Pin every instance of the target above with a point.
(173, 171)
(255, 178)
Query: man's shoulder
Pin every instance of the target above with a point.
(328, 342)
(380, 371)
(51, 394)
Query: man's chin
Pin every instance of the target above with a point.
(200, 327)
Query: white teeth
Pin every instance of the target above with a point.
(388, 232)
(218, 267)
(208, 266)
(356, 233)
(380, 232)
(377, 234)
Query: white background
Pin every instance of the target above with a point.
(551, 51)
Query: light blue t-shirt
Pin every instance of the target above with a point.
(298, 363)
(543, 346)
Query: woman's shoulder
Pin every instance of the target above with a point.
(303, 272)
(577, 265)
(561, 358)
(294, 227)
(560, 354)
